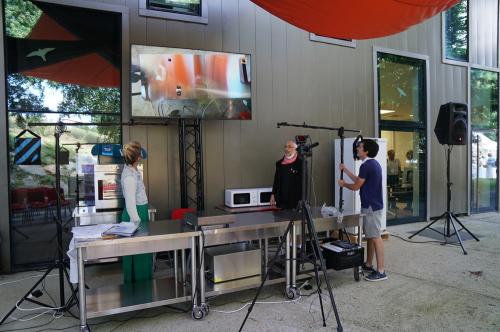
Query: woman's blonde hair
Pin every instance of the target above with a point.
(131, 152)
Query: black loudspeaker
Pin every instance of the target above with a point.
(451, 124)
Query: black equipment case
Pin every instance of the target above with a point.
(341, 255)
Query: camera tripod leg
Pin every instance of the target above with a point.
(74, 296)
(318, 284)
(273, 261)
(25, 297)
(463, 227)
(318, 256)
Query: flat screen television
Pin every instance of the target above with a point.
(183, 83)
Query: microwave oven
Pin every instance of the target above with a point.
(248, 197)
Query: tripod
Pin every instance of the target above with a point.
(317, 259)
(449, 217)
(59, 264)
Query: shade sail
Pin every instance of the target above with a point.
(354, 19)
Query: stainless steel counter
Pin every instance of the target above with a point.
(169, 235)
(263, 226)
(154, 237)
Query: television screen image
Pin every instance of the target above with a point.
(182, 83)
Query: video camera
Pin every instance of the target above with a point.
(305, 145)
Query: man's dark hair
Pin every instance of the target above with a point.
(371, 147)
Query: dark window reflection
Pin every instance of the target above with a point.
(62, 63)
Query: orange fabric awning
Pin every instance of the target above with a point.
(354, 19)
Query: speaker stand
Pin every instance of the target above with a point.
(449, 217)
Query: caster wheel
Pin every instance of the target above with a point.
(206, 308)
(356, 274)
(292, 293)
(198, 314)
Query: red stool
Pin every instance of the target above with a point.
(180, 212)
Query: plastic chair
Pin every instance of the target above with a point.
(38, 202)
(19, 205)
(179, 213)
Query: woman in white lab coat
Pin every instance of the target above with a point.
(136, 267)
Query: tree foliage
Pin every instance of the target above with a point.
(457, 32)
(484, 100)
(20, 17)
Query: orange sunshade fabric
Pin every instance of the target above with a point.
(354, 19)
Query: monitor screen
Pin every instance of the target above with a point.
(183, 83)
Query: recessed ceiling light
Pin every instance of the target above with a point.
(386, 111)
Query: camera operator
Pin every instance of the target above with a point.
(369, 183)
(287, 186)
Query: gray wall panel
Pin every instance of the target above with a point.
(231, 129)
(138, 31)
(213, 134)
(484, 32)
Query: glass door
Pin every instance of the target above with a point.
(402, 104)
(484, 171)
(484, 140)
(406, 174)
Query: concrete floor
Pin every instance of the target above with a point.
(430, 288)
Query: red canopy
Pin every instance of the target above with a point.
(354, 19)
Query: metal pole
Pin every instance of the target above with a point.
(477, 173)
(58, 132)
(182, 161)
(200, 196)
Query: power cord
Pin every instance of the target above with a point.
(263, 302)
(30, 277)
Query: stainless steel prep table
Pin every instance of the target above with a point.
(153, 237)
(262, 226)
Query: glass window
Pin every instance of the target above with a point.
(456, 29)
(189, 7)
(484, 140)
(402, 93)
(62, 63)
(402, 104)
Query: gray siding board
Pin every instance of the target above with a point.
(213, 130)
(250, 159)
(484, 34)
(231, 129)
(263, 163)
(138, 25)
(155, 31)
